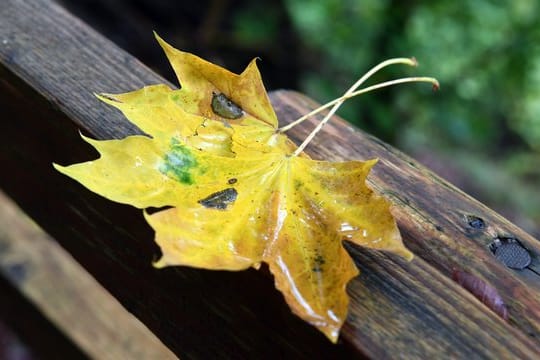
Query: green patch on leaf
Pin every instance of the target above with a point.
(179, 163)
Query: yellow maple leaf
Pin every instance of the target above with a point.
(240, 191)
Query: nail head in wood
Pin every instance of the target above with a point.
(510, 252)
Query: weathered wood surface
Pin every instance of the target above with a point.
(51, 64)
(67, 295)
(434, 217)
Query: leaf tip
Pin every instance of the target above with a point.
(371, 163)
(87, 139)
(164, 45)
(332, 333)
(160, 40)
(406, 254)
(156, 35)
(64, 170)
(159, 264)
(58, 167)
(399, 248)
(110, 99)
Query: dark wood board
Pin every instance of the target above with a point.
(51, 63)
(41, 340)
(44, 274)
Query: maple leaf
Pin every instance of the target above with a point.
(239, 191)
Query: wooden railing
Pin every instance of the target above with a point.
(51, 64)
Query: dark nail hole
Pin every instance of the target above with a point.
(510, 252)
(475, 222)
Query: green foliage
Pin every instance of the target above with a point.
(339, 39)
(485, 53)
(256, 24)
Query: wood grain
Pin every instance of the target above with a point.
(51, 64)
(432, 214)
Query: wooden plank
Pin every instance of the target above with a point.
(398, 309)
(30, 334)
(63, 291)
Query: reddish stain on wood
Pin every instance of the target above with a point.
(484, 292)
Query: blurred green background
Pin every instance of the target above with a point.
(481, 131)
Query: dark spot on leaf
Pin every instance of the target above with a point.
(319, 259)
(224, 107)
(484, 292)
(318, 263)
(475, 222)
(220, 200)
(510, 252)
(232, 181)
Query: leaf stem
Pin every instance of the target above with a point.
(339, 101)
(375, 69)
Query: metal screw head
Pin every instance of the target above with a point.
(511, 253)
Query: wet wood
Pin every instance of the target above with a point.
(440, 224)
(51, 64)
